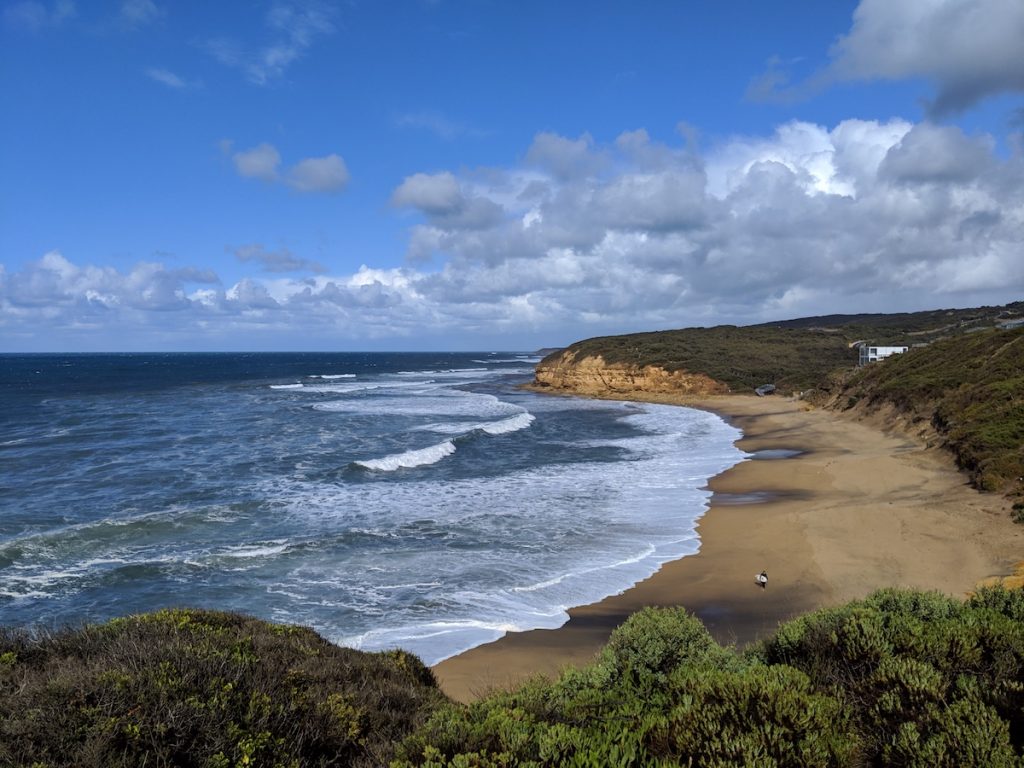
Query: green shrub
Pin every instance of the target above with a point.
(654, 642)
(899, 678)
(200, 688)
(759, 716)
(902, 660)
(1017, 513)
(970, 389)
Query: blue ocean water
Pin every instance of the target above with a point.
(412, 500)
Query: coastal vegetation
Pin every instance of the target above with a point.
(794, 355)
(742, 358)
(202, 689)
(969, 388)
(899, 678)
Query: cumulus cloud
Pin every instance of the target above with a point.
(281, 260)
(856, 217)
(943, 155)
(967, 49)
(260, 162)
(564, 158)
(34, 16)
(293, 28)
(442, 199)
(435, 194)
(318, 174)
(314, 174)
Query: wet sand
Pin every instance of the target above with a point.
(830, 507)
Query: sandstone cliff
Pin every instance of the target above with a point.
(592, 376)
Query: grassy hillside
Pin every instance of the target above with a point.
(971, 388)
(202, 689)
(909, 327)
(901, 678)
(743, 358)
(793, 354)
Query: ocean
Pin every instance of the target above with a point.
(412, 500)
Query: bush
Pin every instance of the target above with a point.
(899, 678)
(1017, 513)
(654, 642)
(902, 660)
(759, 716)
(200, 688)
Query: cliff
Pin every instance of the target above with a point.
(794, 355)
(592, 376)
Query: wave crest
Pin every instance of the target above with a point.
(417, 458)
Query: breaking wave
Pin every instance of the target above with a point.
(409, 459)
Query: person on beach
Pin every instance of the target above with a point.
(762, 579)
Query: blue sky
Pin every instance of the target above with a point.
(484, 175)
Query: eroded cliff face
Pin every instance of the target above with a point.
(594, 377)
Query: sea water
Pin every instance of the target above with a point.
(408, 500)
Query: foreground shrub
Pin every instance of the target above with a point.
(901, 678)
(928, 680)
(662, 692)
(199, 688)
(654, 642)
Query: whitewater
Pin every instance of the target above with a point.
(409, 500)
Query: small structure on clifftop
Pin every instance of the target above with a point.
(870, 354)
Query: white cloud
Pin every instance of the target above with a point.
(967, 49)
(931, 153)
(260, 162)
(970, 49)
(860, 216)
(281, 260)
(564, 158)
(293, 27)
(319, 174)
(436, 194)
(326, 174)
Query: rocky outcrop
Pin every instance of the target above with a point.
(592, 376)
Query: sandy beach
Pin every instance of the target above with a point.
(830, 507)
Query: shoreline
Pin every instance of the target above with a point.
(854, 510)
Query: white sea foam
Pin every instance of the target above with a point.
(517, 359)
(265, 549)
(417, 458)
(444, 372)
(544, 538)
(502, 427)
(511, 424)
(345, 389)
(438, 402)
(432, 561)
(286, 386)
(333, 376)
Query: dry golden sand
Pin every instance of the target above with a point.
(857, 510)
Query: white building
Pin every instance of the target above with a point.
(869, 354)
